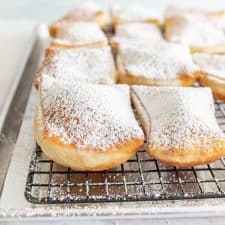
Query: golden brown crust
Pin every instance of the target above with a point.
(48, 53)
(193, 156)
(215, 83)
(83, 160)
(56, 44)
(181, 80)
(215, 49)
(116, 21)
(114, 45)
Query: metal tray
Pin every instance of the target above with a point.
(13, 203)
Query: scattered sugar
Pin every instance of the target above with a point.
(89, 116)
(93, 65)
(80, 33)
(180, 117)
(194, 32)
(211, 64)
(157, 61)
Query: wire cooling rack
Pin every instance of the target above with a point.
(140, 178)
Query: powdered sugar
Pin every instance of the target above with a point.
(80, 33)
(87, 115)
(211, 64)
(179, 117)
(137, 32)
(157, 61)
(135, 13)
(213, 16)
(194, 32)
(84, 12)
(93, 65)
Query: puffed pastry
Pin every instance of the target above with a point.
(134, 13)
(200, 35)
(92, 65)
(87, 11)
(76, 127)
(180, 124)
(212, 73)
(158, 64)
(79, 34)
(135, 33)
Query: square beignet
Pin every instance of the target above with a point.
(212, 73)
(79, 34)
(156, 64)
(91, 65)
(77, 127)
(136, 33)
(213, 16)
(180, 124)
(87, 11)
(134, 13)
(198, 34)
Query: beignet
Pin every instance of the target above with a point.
(212, 73)
(91, 65)
(158, 64)
(86, 126)
(180, 124)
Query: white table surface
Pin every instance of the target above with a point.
(14, 40)
(17, 19)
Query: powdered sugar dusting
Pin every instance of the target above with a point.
(135, 13)
(93, 65)
(80, 33)
(180, 117)
(137, 32)
(213, 16)
(194, 32)
(84, 12)
(211, 64)
(87, 115)
(160, 60)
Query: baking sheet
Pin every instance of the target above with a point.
(13, 203)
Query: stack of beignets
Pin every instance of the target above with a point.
(85, 121)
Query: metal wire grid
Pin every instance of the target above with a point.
(140, 178)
